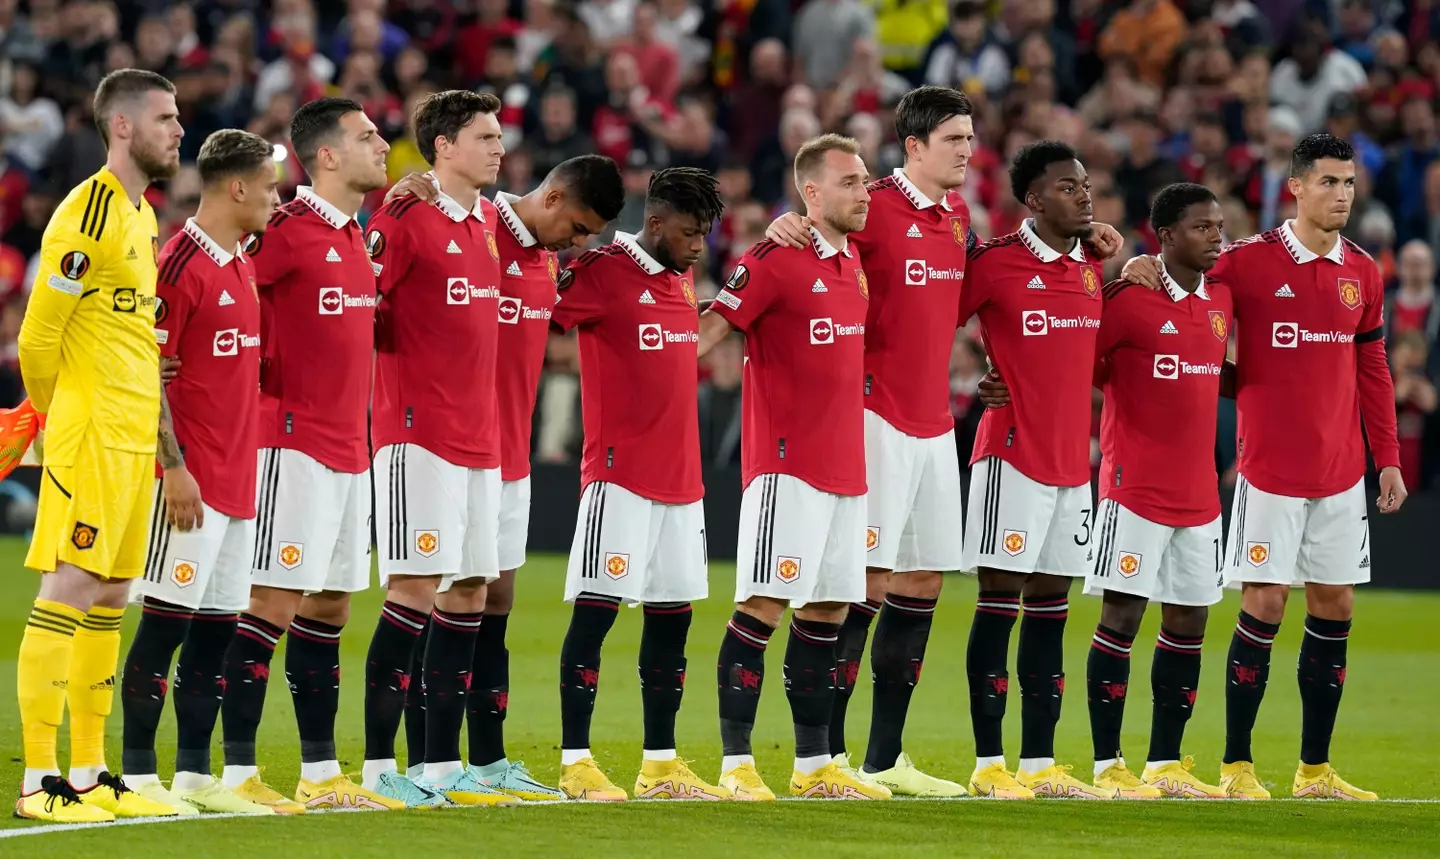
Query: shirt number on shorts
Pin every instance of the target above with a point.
(1084, 523)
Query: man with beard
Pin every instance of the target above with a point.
(90, 362)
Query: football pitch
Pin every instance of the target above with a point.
(1387, 740)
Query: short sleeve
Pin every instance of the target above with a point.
(391, 251)
(1114, 320)
(269, 251)
(973, 289)
(579, 295)
(175, 299)
(748, 293)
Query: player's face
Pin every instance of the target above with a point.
(156, 144)
(564, 224)
(946, 155)
(681, 239)
(362, 153)
(479, 149)
(1324, 195)
(258, 197)
(1194, 241)
(1064, 197)
(840, 191)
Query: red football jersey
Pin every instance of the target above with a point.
(1158, 359)
(207, 314)
(639, 342)
(913, 250)
(527, 300)
(1039, 314)
(437, 328)
(317, 330)
(1310, 361)
(802, 396)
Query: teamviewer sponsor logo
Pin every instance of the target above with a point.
(457, 291)
(227, 342)
(653, 336)
(1035, 322)
(1284, 335)
(510, 310)
(1167, 366)
(333, 301)
(915, 272)
(822, 331)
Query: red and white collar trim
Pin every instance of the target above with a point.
(1302, 254)
(221, 256)
(1175, 290)
(823, 248)
(504, 206)
(324, 208)
(916, 197)
(1044, 252)
(630, 244)
(453, 210)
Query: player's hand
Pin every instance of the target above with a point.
(1144, 270)
(994, 393)
(704, 304)
(182, 500)
(1392, 490)
(1106, 241)
(169, 369)
(413, 184)
(790, 230)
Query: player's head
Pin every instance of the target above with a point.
(459, 130)
(681, 205)
(830, 176)
(135, 109)
(334, 136)
(1322, 178)
(577, 200)
(1048, 178)
(934, 125)
(238, 172)
(1188, 220)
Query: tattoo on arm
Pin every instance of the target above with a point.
(167, 448)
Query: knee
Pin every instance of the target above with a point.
(1123, 615)
(465, 597)
(763, 609)
(1330, 602)
(500, 594)
(877, 584)
(112, 594)
(327, 607)
(1042, 585)
(1265, 603)
(274, 606)
(921, 584)
(826, 612)
(1185, 620)
(413, 592)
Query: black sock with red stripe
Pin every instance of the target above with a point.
(200, 687)
(1040, 662)
(849, 651)
(1246, 673)
(312, 668)
(489, 698)
(146, 679)
(985, 658)
(810, 683)
(387, 676)
(662, 670)
(590, 622)
(247, 677)
(1107, 678)
(1174, 680)
(449, 654)
(740, 672)
(896, 659)
(1322, 682)
(415, 700)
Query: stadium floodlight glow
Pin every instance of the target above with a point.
(280, 154)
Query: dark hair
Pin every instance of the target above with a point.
(1031, 162)
(921, 110)
(123, 85)
(1316, 146)
(444, 114)
(687, 191)
(1172, 201)
(230, 152)
(315, 124)
(594, 182)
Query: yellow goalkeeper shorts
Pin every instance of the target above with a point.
(96, 513)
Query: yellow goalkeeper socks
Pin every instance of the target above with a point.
(92, 685)
(42, 668)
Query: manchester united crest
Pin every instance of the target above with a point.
(958, 231)
(1092, 283)
(155, 248)
(552, 265)
(864, 284)
(490, 243)
(1350, 292)
(1218, 326)
(688, 290)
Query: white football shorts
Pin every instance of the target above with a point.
(799, 544)
(914, 516)
(1176, 566)
(1280, 540)
(433, 517)
(206, 568)
(312, 525)
(637, 550)
(1021, 526)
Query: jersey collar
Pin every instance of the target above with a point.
(914, 194)
(823, 248)
(221, 256)
(629, 244)
(333, 216)
(1302, 254)
(453, 210)
(522, 234)
(1176, 291)
(1044, 252)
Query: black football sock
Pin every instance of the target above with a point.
(810, 683)
(312, 668)
(1322, 682)
(740, 670)
(448, 656)
(200, 687)
(985, 657)
(1246, 673)
(590, 622)
(662, 670)
(247, 676)
(1040, 662)
(489, 692)
(896, 659)
(146, 679)
(415, 701)
(849, 652)
(387, 676)
(1174, 680)
(1107, 678)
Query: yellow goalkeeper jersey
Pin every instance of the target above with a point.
(87, 345)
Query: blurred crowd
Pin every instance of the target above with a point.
(1151, 92)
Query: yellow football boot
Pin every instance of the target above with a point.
(997, 782)
(463, 788)
(1057, 782)
(215, 798)
(112, 794)
(584, 780)
(1120, 783)
(745, 784)
(1239, 781)
(341, 792)
(904, 779)
(1178, 780)
(673, 779)
(57, 802)
(1322, 782)
(832, 782)
(254, 790)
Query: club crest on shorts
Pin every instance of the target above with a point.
(427, 543)
(291, 555)
(1013, 542)
(1128, 564)
(1218, 326)
(1092, 283)
(1350, 292)
(872, 537)
(83, 537)
(1257, 553)
(787, 570)
(182, 572)
(617, 565)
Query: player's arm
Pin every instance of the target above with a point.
(390, 247)
(747, 294)
(69, 259)
(183, 508)
(579, 297)
(1115, 322)
(1227, 379)
(1377, 394)
(713, 329)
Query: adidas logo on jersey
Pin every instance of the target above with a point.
(513, 270)
(913, 232)
(225, 298)
(646, 297)
(818, 287)
(1035, 283)
(132, 255)
(452, 248)
(332, 256)
(1284, 292)
(1169, 328)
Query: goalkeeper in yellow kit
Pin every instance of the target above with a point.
(91, 367)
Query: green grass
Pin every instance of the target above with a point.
(1386, 741)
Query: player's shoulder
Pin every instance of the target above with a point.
(1120, 286)
(400, 210)
(766, 255)
(295, 214)
(997, 248)
(86, 212)
(181, 260)
(1268, 242)
(1359, 260)
(593, 264)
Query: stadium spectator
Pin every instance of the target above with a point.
(1415, 405)
(1313, 74)
(1148, 32)
(30, 123)
(965, 55)
(825, 34)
